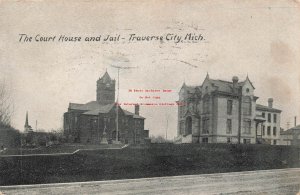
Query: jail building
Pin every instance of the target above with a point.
(221, 111)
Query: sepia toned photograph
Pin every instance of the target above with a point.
(150, 97)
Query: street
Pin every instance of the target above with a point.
(279, 181)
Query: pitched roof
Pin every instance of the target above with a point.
(266, 108)
(88, 106)
(105, 78)
(94, 108)
(224, 86)
(291, 131)
(190, 89)
(132, 114)
(74, 106)
(100, 109)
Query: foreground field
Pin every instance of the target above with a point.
(284, 181)
(156, 160)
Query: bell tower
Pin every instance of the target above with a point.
(105, 90)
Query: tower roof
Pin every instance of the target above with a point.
(105, 77)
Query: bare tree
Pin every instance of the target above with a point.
(6, 104)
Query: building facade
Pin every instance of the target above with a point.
(270, 128)
(290, 136)
(222, 112)
(95, 121)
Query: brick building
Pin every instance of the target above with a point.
(96, 120)
(225, 112)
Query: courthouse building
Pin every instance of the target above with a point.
(225, 112)
(95, 121)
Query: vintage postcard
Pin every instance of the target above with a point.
(148, 97)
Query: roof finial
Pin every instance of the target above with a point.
(207, 75)
(184, 82)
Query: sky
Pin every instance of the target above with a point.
(255, 38)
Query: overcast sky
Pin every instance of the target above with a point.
(257, 38)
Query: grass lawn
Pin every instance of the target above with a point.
(59, 148)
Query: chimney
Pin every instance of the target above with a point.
(137, 109)
(235, 81)
(270, 102)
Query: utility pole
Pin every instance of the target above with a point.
(117, 102)
(167, 127)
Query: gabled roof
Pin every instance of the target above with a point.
(190, 89)
(266, 108)
(247, 79)
(219, 85)
(291, 131)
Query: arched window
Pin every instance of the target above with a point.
(246, 105)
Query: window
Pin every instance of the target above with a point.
(269, 117)
(206, 104)
(229, 107)
(181, 128)
(205, 126)
(94, 124)
(246, 105)
(182, 109)
(229, 126)
(274, 142)
(205, 140)
(206, 89)
(247, 90)
(274, 118)
(246, 141)
(274, 131)
(263, 115)
(263, 130)
(247, 126)
(269, 130)
(228, 139)
(188, 125)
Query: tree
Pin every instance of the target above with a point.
(6, 105)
